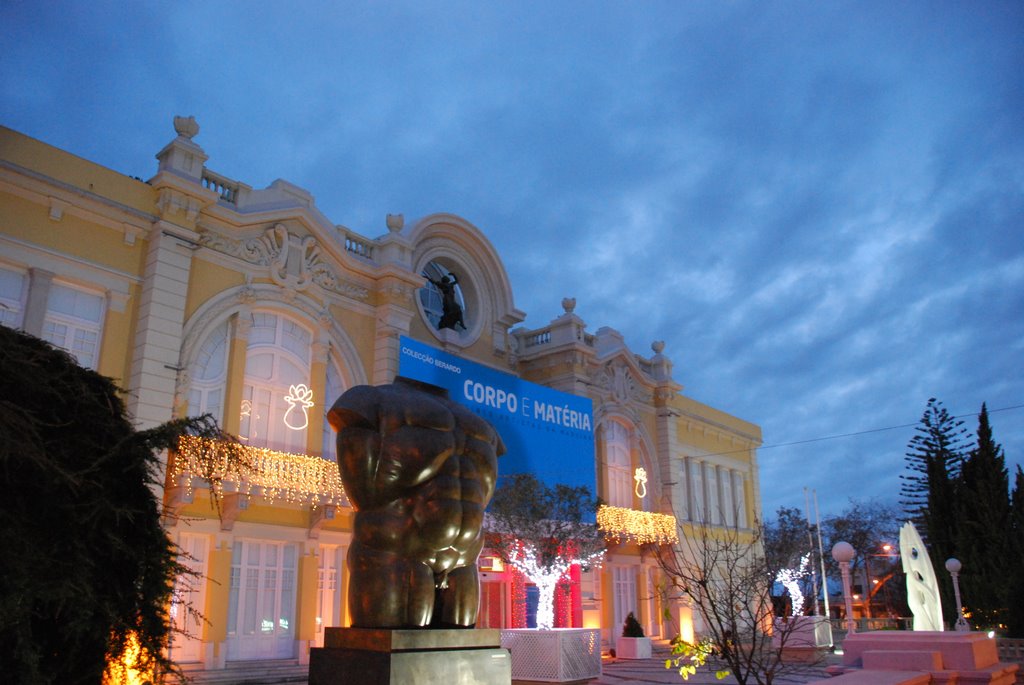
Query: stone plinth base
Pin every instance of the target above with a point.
(378, 656)
(802, 639)
(922, 656)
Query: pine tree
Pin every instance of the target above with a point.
(929, 491)
(983, 524)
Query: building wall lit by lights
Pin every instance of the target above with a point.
(198, 293)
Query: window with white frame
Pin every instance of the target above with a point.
(740, 497)
(262, 600)
(714, 504)
(209, 375)
(74, 319)
(12, 297)
(276, 397)
(728, 506)
(619, 463)
(624, 592)
(697, 512)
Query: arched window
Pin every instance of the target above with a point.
(276, 396)
(209, 375)
(619, 465)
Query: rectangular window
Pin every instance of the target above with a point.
(12, 297)
(73, 323)
(740, 495)
(261, 606)
(697, 512)
(684, 490)
(624, 595)
(714, 506)
(728, 506)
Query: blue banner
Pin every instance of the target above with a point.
(546, 432)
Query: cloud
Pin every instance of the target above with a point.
(817, 206)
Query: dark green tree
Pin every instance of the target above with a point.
(983, 528)
(786, 538)
(869, 525)
(928, 491)
(86, 562)
(1015, 561)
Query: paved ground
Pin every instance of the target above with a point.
(646, 671)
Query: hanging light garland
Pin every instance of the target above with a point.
(642, 527)
(296, 478)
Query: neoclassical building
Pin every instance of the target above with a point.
(200, 294)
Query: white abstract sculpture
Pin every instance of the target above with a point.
(922, 587)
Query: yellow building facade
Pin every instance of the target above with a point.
(200, 294)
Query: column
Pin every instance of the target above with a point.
(39, 281)
(158, 333)
(392, 323)
(318, 384)
(306, 608)
(218, 592)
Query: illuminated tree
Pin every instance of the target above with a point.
(87, 567)
(787, 540)
(542, 531)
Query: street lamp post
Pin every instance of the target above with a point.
(954, 566)
(843, 553)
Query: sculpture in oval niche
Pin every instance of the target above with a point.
(419, 470)
(451, 312)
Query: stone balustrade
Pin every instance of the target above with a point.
(225, 188)
(358, 246)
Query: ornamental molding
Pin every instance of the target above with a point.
(616, 379)
(293, 262)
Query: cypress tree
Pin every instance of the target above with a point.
(983, 527)
(928, 491)
(1015, 565)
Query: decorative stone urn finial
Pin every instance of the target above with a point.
(186, 127)
(569, 304)
(658, 346)
(395, 222)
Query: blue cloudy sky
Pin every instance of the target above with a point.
(818, 206)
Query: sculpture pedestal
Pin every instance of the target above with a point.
(904, 657)
(559, 655)
(381, 656)
(802, 638)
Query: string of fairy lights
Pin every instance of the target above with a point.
(275, 476)
(303, 479)
(641, 527)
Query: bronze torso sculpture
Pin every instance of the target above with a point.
(419, 469)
